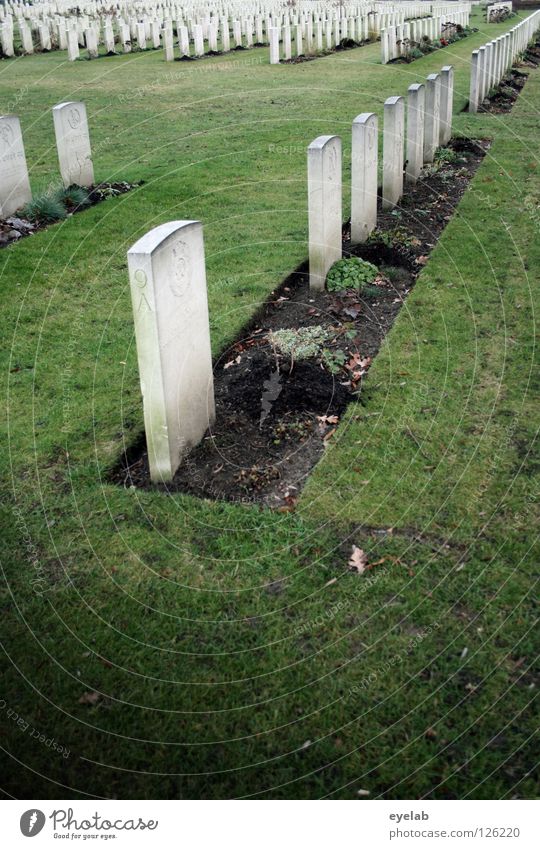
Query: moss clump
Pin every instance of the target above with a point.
(352, 273)
(302, 343)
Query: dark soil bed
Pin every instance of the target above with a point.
(274, 417)
(507, 92)
(439, 44)
(503, 98)
(17, 226)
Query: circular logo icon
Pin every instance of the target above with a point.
(32, 822)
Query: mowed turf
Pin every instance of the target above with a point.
(181, 648)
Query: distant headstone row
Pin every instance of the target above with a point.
(74, 155)
(490, 62)
(317, 32)
(198, 27)
(494, 10)
(396, 38)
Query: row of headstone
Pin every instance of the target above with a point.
(396, 40)
(293, 12)
(168, 277)
(491, 62)
(428, 126)
(48, 26)
(310, 39)
(74, 155)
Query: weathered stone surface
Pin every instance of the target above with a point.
(324, 207)
(73, 143)
(170, 308)
(364, 158)
(14, 183)
(394, 127)
(415, 132)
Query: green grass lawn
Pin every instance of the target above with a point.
(227, 650)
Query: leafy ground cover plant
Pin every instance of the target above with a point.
(350, 273)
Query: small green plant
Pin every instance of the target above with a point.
(446, 154)
(351, 273)
(396, 274)
(44, 209)
(395, 239)
(73, 198)
(303, 343)
(334, 360)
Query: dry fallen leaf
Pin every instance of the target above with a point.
(327, 420)
(232, 362)
(89, 698)
(358, 562)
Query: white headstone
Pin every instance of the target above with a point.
(14, 184)
(73, 144)
(170, 308)
(364, 158)
(6, 39)
(432, 116)
(183, 40)
(299, 41)
(287, 46)
(198, 40)
(141, 36)
(447, 104)
(394, 126)
(125, 38)
(225, 36)
(274, 45)
(324, 207)
(474, 90)
(91, 43)
(108, 36)
(45, 37)
(168, 45)
(26, 36)
(415, 132)
(73, 45)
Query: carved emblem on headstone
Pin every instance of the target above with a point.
(74, 118)
(332, 163)
(6, 136)
(180, 281)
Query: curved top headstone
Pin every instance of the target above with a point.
(14, 184)
(170, 309)
(73, 143)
